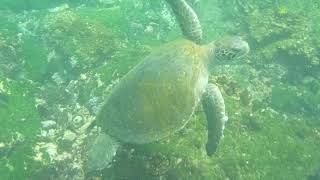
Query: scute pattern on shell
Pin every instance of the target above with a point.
(158, 96)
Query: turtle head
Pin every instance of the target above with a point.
(229, 48)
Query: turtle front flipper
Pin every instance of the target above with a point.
(187, 19)
(214, 108)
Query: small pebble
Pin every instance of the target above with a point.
(48, 123)
(69, 136)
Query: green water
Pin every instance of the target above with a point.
(59, 60)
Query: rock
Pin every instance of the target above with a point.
(48, 124)
(107, 2)
(51, 151)
(51, 133)
(77, 122)
(69, 136)
(59, 8)
(88, 44)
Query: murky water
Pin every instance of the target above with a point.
(104, 90)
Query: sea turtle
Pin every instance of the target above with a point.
(157, 97)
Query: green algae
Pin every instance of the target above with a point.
(276, 137)
(35, 55)
(20, 124)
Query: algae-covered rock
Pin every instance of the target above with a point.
(281, 28)
(19, 5)
(20, 125)
(286, 99)
(41, 45)
(9, 48)
(81, 43)
(23, 56)
(272, 103)
(25, 5)
(35, 56)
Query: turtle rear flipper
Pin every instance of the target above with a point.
(100, 152)
(214, 108)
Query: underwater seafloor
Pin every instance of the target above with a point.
(60, 59)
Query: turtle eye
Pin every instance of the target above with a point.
(233, 55)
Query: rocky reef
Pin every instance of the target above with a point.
(59, 62)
